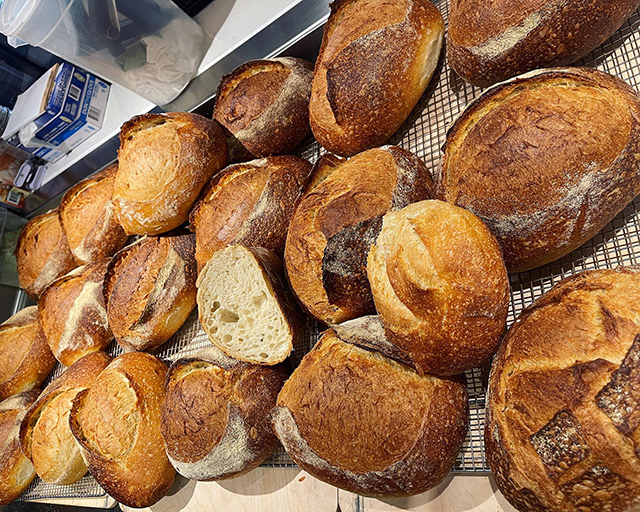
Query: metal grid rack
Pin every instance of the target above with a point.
(423, 133)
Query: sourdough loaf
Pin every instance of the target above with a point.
(245, 307)
(150, 290)
(335, 223)
(488, 42)
(376, 60)
(89, 220)
(265, 104)
(73, 314)
(363, 422)
(42, 253)
(546, 160)
(117, 423)
(562, 417)
(25, 357)
(45, 435)
(16, 471)
(440, 286)
(249, 204)
(164, 162)
(215, 415)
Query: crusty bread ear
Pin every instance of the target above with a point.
(244, 306)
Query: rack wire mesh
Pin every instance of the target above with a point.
(424, 133)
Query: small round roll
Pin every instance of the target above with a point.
(164, 162)
(25, 357)
(42, 253)
(357, 419)
(215, 415)
(440, 286)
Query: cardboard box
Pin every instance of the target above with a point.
(62, 109)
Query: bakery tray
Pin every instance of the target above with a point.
(423, 133)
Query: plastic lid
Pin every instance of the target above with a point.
(14, 14)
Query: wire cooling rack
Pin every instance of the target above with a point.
(423, 133)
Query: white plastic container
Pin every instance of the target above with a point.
(148, 46)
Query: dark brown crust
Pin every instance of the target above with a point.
(145, 475)
(561, 400)
(572, 177)
(193, 406)
(265, 104)
(356, 191)
(249, 204)
(371, 71)
(92, 198)
(42, 253)
(89, 330)
(38, 362)
(556, 34)
(147, 283)
(12, 410)
(392, 436)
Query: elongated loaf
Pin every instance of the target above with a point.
(546, 160)
(45, 435)
(42, 253)
(265, 104)
(73, 313)
(25, 357)
(117, 423)
(150, 290)
(165, 161)
(215, 416)
(440, 286)
(16, 471)
(488, 42)
(562, 416)
(245, 307)
(249, 204)
(335, 223)
(376, 60)
(363, 422)
(89, 219)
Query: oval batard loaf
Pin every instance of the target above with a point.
(245, 307)
(488, 42)
(42, 253)
(164, 162)
(45, 435)
(16, 471)
(249, 204)
(89, 219)
(440, 286)
(150, 290)
(363, 422)
(117, 423)
(265, 104)
(337, 220)
(376, 60)
(25, 357)
(546, 160)
(216, 415)
(73, 313)
(562, 417)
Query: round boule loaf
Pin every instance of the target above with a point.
(359, 420)
(337, 220)
(546, 160)
(164, 162)
(562, 418)
(42, 253)
(265, 104)
(89, 219)
(440, 286)
(216, 415)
